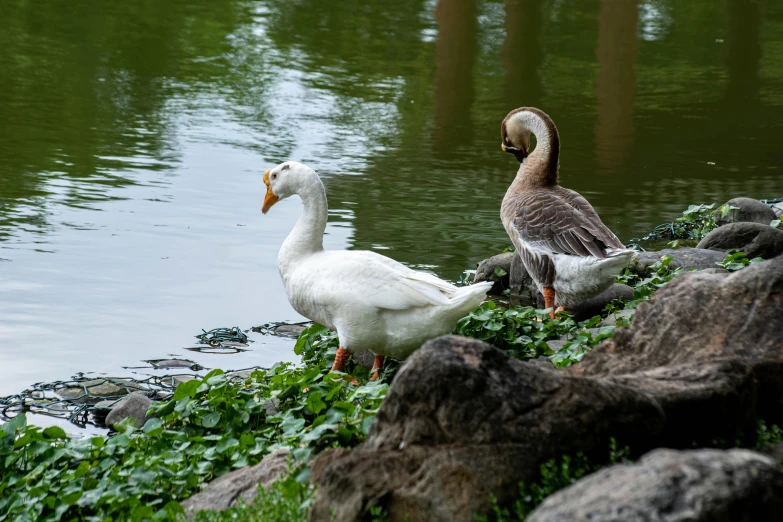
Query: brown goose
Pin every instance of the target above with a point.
(570, 254)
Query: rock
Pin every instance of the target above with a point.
(134, 406)
(227, 490)
(776, 452)
(595, 305)
(289, 330)
(777, 208)
(687, 258)
(487, 271)
(364, 358)
(621, 316)
(241, 374)
(173, 363)
(556, 344)
(753, 239)
(462, 420)
(93, 391)
(271, 406)
(750, 211)
(707, 348)
(668, 485)
(179, 379)
(523, 290)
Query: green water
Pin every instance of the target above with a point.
(133, 136)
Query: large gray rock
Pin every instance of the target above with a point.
(595, 305)
(463, 420)
(134, 406)
(708, 348)
(750, 210)
(488, 269)
(686, 258)
(239, 485)
(753, 239)
(674, 486)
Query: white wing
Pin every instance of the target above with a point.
(372, 280)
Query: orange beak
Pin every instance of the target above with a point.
(270, 198)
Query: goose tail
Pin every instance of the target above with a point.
(466, 298)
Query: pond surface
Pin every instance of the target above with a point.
(133, 136)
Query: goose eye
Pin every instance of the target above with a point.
(274, 176)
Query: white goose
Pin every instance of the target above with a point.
(373, 302)
(569, 253)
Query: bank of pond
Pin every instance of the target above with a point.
(672, 380)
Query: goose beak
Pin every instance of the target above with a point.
(270, 198)
(520, 155)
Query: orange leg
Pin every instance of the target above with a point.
(549, 300)
(339, 359)
(377, 366)
(339, 363)
(561, 309)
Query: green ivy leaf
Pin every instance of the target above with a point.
(210, 420)
(186, 389)
(54, 432)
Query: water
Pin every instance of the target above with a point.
(134, 135)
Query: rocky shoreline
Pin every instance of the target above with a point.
(701, 362)
(690, 375)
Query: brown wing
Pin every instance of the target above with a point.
(563, 222)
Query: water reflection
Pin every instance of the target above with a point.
(455, 52)
(616, 83)
(522, 53)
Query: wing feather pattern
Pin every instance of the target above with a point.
(561, 221)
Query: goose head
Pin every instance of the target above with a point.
(285, 180)
(515, 136)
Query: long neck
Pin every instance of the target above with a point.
(307, 237)
(540, 168)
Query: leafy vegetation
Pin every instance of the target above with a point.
(209, 427)
(736, 260)
(559, 473)
(695, 222)
(643, 287)
(554, 475)
(286, 500)
(523, 332)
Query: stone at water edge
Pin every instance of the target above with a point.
(436, 451)
(686, 258)
(485, 271)
(292, 331)
(750, 211)
(239, 485)
(667, 485)
(97, 388)
(708, 348)
(134, 406)
(594, 305)
(753, 239)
